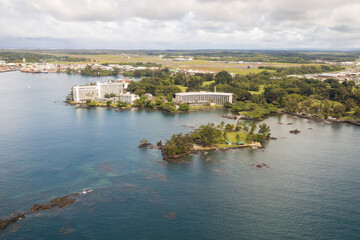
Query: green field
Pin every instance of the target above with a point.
(204, 65)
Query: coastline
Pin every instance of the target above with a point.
(114, 106)
(327, 121)
(178, 157)
(215, 108)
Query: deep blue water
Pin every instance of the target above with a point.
(48, 150)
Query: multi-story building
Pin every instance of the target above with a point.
(201, 98)
(125, 82)
(128, 98)
(96, 92)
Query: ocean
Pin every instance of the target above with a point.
(49, 149)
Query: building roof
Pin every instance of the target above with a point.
(203, 93)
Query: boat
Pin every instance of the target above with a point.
(86, 190)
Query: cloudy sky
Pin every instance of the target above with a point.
(180, 24)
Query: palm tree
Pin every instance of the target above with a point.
(264, 129)
(237, 137)
(225, 135)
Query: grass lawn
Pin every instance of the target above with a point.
(223, 145)
(183, 88)
(232, 136)
(207, 83)
(261, 90)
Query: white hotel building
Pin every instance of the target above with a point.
(96, 92)
(201, 98)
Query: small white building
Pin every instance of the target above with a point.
(201, 98)
(128, 97)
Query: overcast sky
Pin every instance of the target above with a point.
(180, 24)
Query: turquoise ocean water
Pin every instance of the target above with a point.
(48, 150)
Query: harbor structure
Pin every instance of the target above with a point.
(203, 98)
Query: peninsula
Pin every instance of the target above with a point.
(214, 137)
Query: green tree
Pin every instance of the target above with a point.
(122, 104)
(184, 107)
(339, 111)
(264, 129)
(208, 134)
(228, 105)
(237, 137)
(229, 127)
(169, 107)
(177, 144)
(326, 108)
(223, 77)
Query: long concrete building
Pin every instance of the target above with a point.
(96, 92)
(201, 98)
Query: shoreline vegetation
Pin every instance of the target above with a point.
(255, 96)
(211, 137)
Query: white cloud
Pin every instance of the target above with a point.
(183, 23)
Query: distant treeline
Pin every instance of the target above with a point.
(277, 56)
(16, 57)
(284, 56)
(303, 69)
(97, 72)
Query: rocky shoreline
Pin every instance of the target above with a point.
(178, 157)
(85, 106)
(327, 121)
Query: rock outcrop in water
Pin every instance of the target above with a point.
(60, 202)
(13, 218)
(260, 165)
(296, 131)
(170, 215)
(144, 145)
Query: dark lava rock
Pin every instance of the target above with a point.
(296, 131)
(170, 215)
(144, 145)
(273, 138)
(260, 165)
(5, 222)
(152, 147)
(159, 143)
(61, 202)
